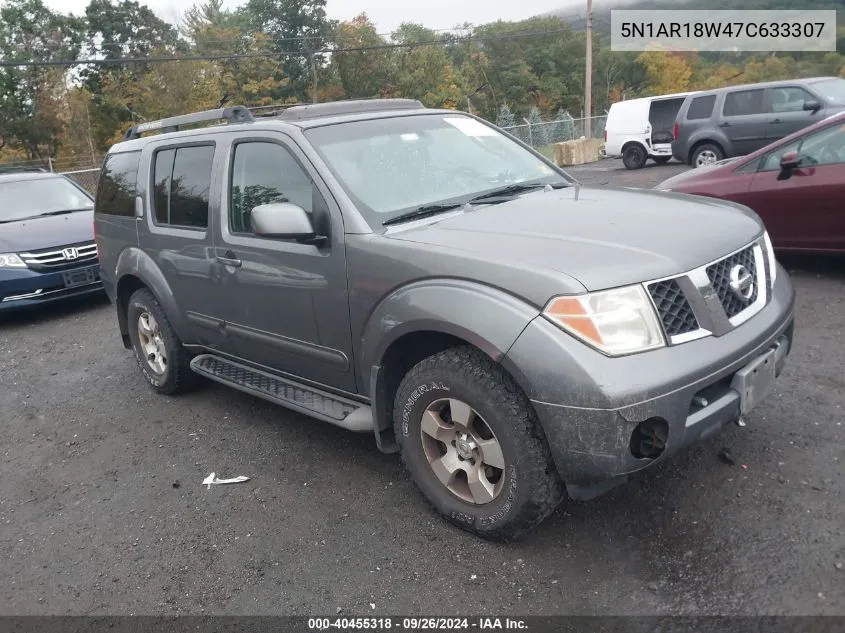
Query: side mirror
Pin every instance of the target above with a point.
(788, 162)
(812, 106)
(283, 220)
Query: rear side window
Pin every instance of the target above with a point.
(744, 103)
(181, 186)
(116, 189)
(701, 108)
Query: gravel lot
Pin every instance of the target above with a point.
(102, 511)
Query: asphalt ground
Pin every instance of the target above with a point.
(102, 510)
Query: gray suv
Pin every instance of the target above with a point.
(422, 276)
(741, 119)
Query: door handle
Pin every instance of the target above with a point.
(775, 121)
(724, 124)
(229, 260)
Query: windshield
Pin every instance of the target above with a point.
(391, 166)
(21, 199)
(833, 90)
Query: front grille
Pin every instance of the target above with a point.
(720, 278)
(675, 311)
(54, 259)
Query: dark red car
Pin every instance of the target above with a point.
(796, 185)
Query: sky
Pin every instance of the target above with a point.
(387, 14)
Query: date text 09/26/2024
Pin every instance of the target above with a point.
(486, 623)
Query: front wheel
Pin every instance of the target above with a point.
(472, 444)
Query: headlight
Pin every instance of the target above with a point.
(770, 255)
(10, 260)
(616, 322)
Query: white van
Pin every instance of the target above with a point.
(639, 129)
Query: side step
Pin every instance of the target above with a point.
(337, 410)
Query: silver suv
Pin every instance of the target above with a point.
(424, 277)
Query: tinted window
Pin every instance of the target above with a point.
(116, 189)
(182, 181)
(161, 185)
(264, 173)
(701, 107)
(744, 103)
(789, 99)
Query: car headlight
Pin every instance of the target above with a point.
(10, 260)
(615, 322)
(770, 255)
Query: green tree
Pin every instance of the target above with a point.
(364, 73)
(30, 97)
(506, 118)
(425, 71)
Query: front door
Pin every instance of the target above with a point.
(744, 120)
(807, 209)
(287, 302)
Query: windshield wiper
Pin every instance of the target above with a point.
(512, 190)
(64, 211)
(423, 212)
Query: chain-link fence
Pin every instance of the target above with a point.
(87, 178)
(549, 132)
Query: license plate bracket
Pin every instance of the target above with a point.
(754, 381)
(79, 277)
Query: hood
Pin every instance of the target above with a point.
(697, 174)
(601, 237)
(47, 231)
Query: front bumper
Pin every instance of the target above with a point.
(590, 405)
(23, 288)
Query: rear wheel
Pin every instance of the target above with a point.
(473, 446)
(706, 154)
(634, 157)
(662, 160)
(164, 362)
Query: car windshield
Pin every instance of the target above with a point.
(833, 90)
(21, 199)
(390, 166)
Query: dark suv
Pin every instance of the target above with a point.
(742, 119)
(422, 276)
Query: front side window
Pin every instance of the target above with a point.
(393, 165)
(833, 90)
(116, 187)
(263, 173)
(824, 147)
(789, 99)
(744, 103)
(181, 186)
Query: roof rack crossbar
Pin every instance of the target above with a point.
(233, 114)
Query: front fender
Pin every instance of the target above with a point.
(133, 262)
(485, 317)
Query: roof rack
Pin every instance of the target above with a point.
(350, 106)
(233, 114)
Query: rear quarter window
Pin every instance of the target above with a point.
(116, 188)
(701, 108)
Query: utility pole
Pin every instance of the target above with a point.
(588, 81)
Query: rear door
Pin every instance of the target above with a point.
(807, 210)
(744, 120)
(183, 194)
(788, 115)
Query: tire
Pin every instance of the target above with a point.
(662, 160)
(174, 375)
(706, 154)
(523, 492)
(634, 157)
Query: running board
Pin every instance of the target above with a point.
(316, 403)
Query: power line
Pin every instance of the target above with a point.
(353, 49)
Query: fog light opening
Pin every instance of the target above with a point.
(648, 441)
